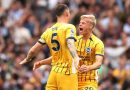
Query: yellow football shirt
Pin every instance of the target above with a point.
(87, 50)
(56, 38)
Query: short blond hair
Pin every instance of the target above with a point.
(91, 16)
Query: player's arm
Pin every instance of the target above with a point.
(71, 38)
(97, 64)
(46, 61)
(35, 49)
(32, 52)
(72, 49)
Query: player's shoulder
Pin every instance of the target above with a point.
(47, 31)
(96, 39)
(69, 25)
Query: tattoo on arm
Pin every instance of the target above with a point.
(33, 51)
(73, 53)
(72, 48)
(30, 56)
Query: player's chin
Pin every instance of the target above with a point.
(81, 32)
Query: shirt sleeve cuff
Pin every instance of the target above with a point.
(41, 41)
(100, 54)
(72, 38)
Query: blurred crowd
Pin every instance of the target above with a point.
(23, 21)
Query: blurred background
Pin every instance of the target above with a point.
(23, 21)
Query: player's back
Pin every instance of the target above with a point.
(56, 38)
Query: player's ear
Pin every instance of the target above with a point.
(92, 26)
(65, 13)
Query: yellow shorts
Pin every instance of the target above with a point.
(59, 81)
(88, 86)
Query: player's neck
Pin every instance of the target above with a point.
(87, 36)
(62, 20)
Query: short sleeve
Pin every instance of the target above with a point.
(71, 32)
(99, 49)
(43, 37)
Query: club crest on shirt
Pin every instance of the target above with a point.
(88, 50)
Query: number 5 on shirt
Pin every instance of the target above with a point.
(55, 42)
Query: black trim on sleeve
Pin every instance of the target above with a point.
(41, 43)
(91, 38)
(72, 38)
(100, 55)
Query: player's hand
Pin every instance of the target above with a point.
(84, 68)
(24, 61)
(36, 65)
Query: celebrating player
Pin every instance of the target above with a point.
(60, 38)
(90, 49)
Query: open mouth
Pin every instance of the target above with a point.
(80, 29)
